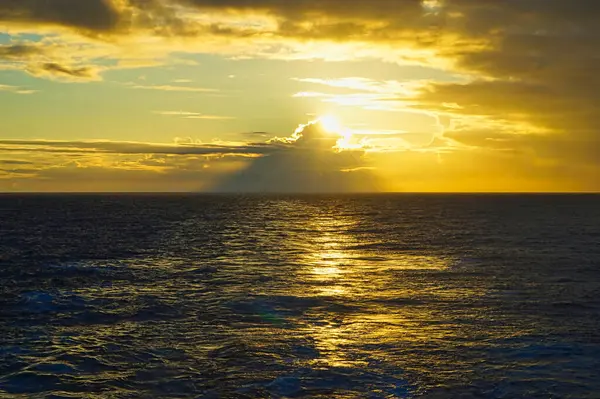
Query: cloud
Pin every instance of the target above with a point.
(14, 162)
(85, 73)
(88, 15)
(194, 115)
(43, 165)
(16, 89)
(310, 160)
(131, 147)
(136, 175)
(18, 52)
(363, 100)
(307, 161)
(48, 61)
(210, 117)
(392, 88)
(175, 88)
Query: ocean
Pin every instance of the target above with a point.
(299, 296)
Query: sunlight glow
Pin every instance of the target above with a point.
(330, 123)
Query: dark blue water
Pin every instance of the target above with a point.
(388, 296)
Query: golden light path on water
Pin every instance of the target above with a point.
(342, 267)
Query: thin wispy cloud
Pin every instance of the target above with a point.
(368, 94)
(194, 115)
(190, 89)
(132, 147)
(370, 101)
(389, 87)
(16, 89)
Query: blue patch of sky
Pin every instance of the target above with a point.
(5, 38)
(21, 78)
(26, 37)
(34, 37)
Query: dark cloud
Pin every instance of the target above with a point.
(359, 10)
(56, 69)
(34, 59)
(93, 15)
(573, 111)
(19, 52)
(343, 18)
(116, 147)
(14, 162)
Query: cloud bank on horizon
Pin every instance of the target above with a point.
(437, 95)
(312, 159)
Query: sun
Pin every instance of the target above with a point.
(330, 123)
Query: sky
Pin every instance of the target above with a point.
(300, 96)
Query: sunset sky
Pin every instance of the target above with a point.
(311, 95)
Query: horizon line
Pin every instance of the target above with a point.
(299, 193)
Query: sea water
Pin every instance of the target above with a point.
(348, 296)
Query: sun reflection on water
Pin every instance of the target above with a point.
(363, 292)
